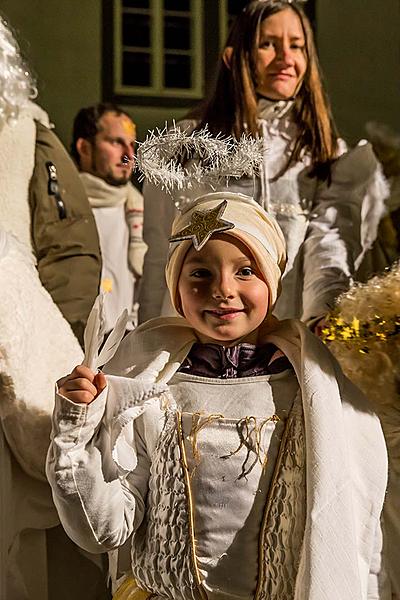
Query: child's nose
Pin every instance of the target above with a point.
(223, 289)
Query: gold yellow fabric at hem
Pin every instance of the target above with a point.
(128, 590)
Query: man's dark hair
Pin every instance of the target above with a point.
(86, 123)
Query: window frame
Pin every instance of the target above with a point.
(156, 93)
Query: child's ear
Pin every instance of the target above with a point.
(227, 56)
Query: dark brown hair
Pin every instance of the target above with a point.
(86, 123)
(232, 106)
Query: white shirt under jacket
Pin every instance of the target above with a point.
(115, 467)
(328, 227)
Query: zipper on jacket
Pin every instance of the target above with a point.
(53, 189)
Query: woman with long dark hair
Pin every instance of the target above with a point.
(327, 200)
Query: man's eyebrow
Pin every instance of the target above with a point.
(113, 138)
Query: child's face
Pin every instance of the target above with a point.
(222, 293)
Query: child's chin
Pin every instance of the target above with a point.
(228, 336)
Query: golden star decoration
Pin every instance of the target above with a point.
(202, 225)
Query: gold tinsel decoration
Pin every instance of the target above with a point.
(363, 332)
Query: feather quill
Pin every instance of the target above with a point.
(92, 332)
(94, 335)
(113, 340)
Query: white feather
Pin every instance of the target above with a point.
(94, 333)
(113, 340)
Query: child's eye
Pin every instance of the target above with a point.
(246, 271)
(200, 273)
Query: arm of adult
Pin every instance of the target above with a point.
(343, 226)
(64, 236)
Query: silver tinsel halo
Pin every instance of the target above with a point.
(215, 158)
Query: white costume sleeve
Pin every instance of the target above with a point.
(99, 504)
(343, 227)
(368, 493)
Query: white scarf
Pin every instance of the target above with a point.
(102, 195)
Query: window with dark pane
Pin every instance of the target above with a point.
(177, 5)
(136, 3)
(157, 48)
(136, 69)
(177, 71)
(136, 30)
(177, 34)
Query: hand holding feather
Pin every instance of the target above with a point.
(85, 382)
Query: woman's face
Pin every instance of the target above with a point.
(221, 291)
(281, 56)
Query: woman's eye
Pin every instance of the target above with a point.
(266, 44)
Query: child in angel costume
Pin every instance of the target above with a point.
(232, 447)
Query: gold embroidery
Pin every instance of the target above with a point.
(197, 425)
(250, 437)
(189, 497)
(261, 557)
(257, 430)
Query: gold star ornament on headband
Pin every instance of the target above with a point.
(202, 225)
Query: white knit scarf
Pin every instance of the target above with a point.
(102, 195)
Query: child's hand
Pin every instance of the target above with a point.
(82, 385)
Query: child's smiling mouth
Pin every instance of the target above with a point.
(225, 314)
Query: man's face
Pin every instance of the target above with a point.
(110, 155)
